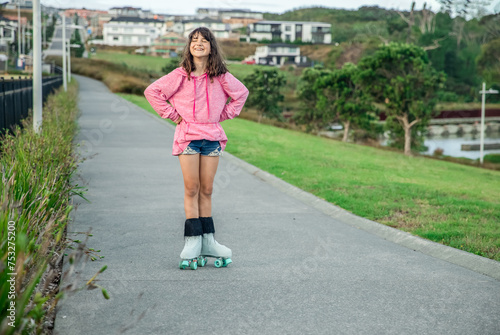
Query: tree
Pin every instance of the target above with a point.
(350, 104)
(264, 87)
(170, 65)
(401, 76)
(314, 117)
(76, 39)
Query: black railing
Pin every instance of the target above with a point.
(16, 99)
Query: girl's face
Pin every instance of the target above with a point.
(200, 47)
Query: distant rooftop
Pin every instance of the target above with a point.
(278, 22)
(133, 19)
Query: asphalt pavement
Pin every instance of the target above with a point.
(300, 265)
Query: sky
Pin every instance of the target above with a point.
(275, 6)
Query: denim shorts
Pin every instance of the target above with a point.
(203, 147)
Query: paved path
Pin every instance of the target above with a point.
(300, 266)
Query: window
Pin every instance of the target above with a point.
(127, 39)
(292, 50)
(273, 49)
(114, 28)
(298, 28)
(115, 38)
(287, 38)
(128, 30)
(264, 28)
(288, 28)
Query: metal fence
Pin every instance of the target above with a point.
(16, 99)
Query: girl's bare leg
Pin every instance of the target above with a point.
(207, 170)
(190, 166)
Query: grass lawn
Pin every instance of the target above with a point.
(149, 63)
(448, 203)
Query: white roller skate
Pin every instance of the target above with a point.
(212, 248)
(191, 252)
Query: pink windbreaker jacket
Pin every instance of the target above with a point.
(201, 103)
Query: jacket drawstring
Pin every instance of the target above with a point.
(206, 91)
(208, 105)
(194, 102)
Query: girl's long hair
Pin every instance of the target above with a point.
(216, 64)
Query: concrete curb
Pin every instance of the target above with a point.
(464, 259)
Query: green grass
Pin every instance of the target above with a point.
(448, 203)
(141, 62)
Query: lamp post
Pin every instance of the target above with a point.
(37, 67)
(483, 101)
(68, 50)
(69, 59)
(65, 71)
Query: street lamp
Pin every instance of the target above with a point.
(65, 83)
(483, 92)
(69, 58)
(37, 67)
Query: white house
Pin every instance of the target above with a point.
(185, 27)
(229, 13)
(132, 31)
(278, 54)
(290, 31)
(7, 31)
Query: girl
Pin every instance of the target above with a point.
(197, 93)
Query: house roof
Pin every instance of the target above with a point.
(203, 20)
(126, 7)
(133, 19)
(3, 18)
(299, 22)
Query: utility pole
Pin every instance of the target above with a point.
(37, 67)
(483, 102)
(65, 71)
(18, 28)
(69, 62)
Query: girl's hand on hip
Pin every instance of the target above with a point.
(179, 119)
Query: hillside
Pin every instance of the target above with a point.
(465, 50)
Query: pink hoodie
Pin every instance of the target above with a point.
(201, 104)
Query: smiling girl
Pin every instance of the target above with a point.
(194, 96)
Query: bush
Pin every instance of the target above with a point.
(35, 192)
(492, 158)
(170, 65)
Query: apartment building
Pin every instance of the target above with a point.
(290, 31)
(132, 31)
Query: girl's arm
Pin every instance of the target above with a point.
(238, 93)
(160, 91)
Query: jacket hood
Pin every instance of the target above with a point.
(182, 72)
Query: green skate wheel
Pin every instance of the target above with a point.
(193, 265)
(202, 260)
(227, 261)
(183, 264)
(218, 263)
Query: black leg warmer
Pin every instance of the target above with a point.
(208, 225)
(192, 227)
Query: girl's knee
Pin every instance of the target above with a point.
(192, 189)
(206, 190)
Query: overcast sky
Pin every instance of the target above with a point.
(276, 6)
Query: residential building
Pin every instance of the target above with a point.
(8, 30)
(168, 44)
(26, 4)
(132, 31)
(224, 14)
(218, 28)
(290, 31)
(278, 54)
